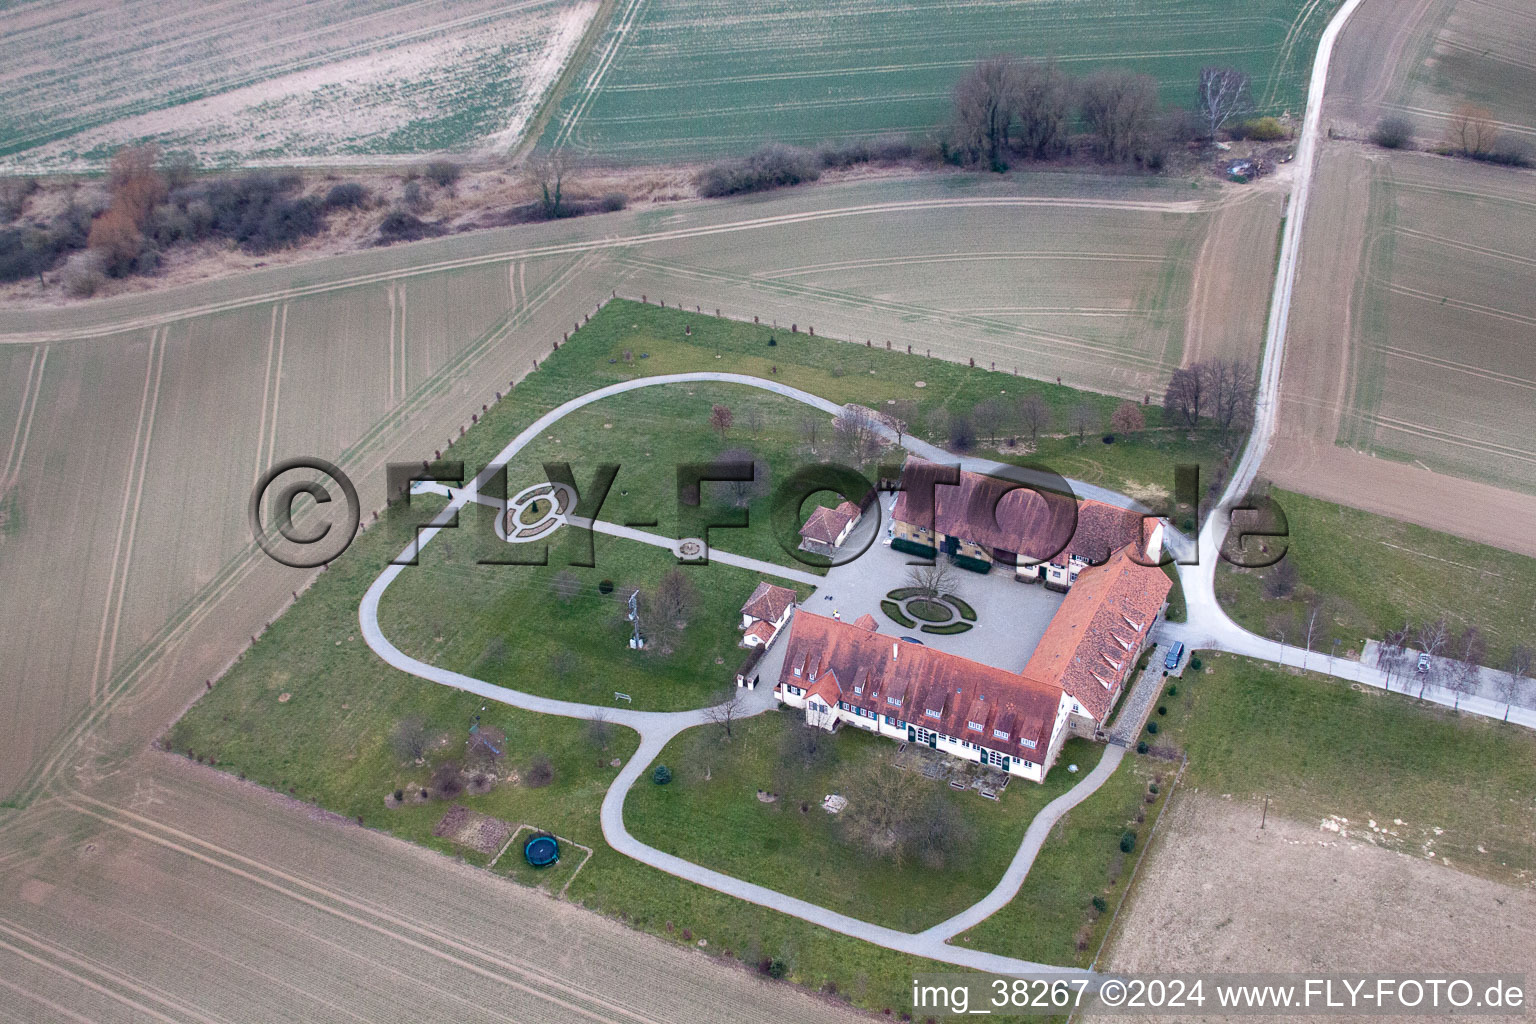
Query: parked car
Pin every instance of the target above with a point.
(1423, 662)
(914, 640)
(1176, 652)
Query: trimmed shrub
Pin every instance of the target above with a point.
(1162, 710)
(1195, 663)
(1173, 689)
(894, 613)
(1392, 132)
(662, 775)
(980, 565)
(948, 630)
(966, 611)
(1152, 788)
(908, 547)
(1152, 728)
(1100, 904)
(902, 593)
(1127, 841)
(773, 166)
(1141, 747)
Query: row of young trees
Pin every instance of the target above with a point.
(1455, 660)
(1006, 107)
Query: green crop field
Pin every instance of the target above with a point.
(276, 81)
(696, 78)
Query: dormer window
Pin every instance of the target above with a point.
(931, 713)
(974, 725)
(999, 734)
(894, 702)
(858, 689)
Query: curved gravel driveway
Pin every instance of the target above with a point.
(1208, 625)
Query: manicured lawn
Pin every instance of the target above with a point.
(330, 741)
(510, 625)
(1371, 574)
(1053, 914)
(711, 814)
(1437, 780)
(1140, 465)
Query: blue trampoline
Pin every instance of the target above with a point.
(541, 851)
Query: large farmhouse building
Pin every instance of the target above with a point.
(983, 521)
(850, 674)
(847, 673)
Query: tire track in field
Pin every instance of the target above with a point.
(1050, 342)
(31, 390)
(119, 694)
(593, 85)
(112, 609)
(886, 262)
(1468, 307)
(52, 131)
(292, 292)
(1441, 363)
(1451, 243)
(1287, 47)
(266, 399)
(1503, 451)
(36, 997)
(362, 913)
(79, 970)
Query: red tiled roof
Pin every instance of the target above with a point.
(1003, 515)
(1091, 644)
(768, 602)
(827, 524)
(935, 690)
(867, 621)
(762, 629)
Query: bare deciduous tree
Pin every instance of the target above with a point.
(1280, 582)
(1034, 415)
(599, 731)
(857, 435)
(933, 580)
(1472, 130)
(810, 429)
(1044, 108)
(903, 415)
(1470, 650)
(1230, 386)
(1432, 639)
(1121, 108)
(720, 419)
(725, 713)
(1085, 417)
(882, 800)
(547, 175)
(410, 738)
(667, 604)
(1223, 95)
(986, 100)
(990, 415)
(1185, 398)
(1392, 650)
(1517, 672)
(753, 420)
(742, 492)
